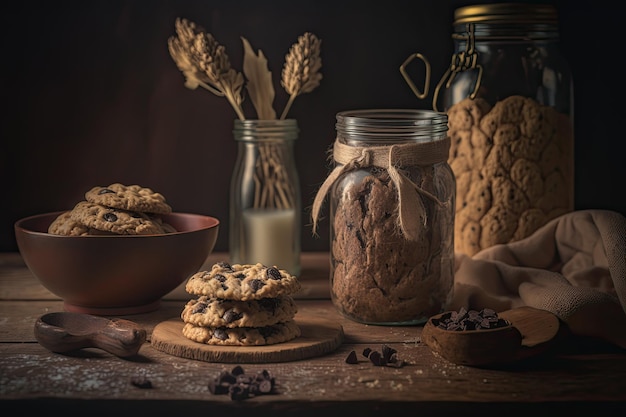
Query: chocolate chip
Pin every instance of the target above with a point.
(240, 275)
(199, 308)
(388, 357)
(231, 316)
(352, 359)
(110, 217)
(396, 364)
(265, 375)
(274, 273)
(225, 377)
(105, 191)
(265, 386)
(377, 359)
(256, 284)
(238, 392)
(388, 353)
(221, 278)
(217, 388)
(240, 386)
(225, 265)
(470, 320)
(237, 370)
(220, 334)
(141, 382)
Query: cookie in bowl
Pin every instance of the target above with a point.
(105, 260)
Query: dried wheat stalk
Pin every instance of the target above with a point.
(204, 63)
(301, 72)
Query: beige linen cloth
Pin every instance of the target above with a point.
(574, 267)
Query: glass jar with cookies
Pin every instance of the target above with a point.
(508, 93)
(391, 197)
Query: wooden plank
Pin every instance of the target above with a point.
(29, 371)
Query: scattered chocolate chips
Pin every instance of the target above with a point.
(352, 359)
(141, 382)
(240, 386)
(470, 320)
(386, 357)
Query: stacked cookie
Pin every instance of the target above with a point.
(241, 305)
(116, 209)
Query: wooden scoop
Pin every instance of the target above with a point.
(529, 333)
(65, 332)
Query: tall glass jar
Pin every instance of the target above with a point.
(391, 197)
(508, 93)
(265, 204)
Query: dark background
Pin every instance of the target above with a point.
(91, 96)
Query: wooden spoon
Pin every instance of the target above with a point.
(66, 331)
(529, 333)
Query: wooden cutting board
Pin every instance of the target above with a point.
(319, 336)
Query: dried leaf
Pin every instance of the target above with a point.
(260, 87)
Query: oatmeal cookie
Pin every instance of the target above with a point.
(66, 226)
(108, 219)
(242, 282)
(216, 312)
(129, 197)
(243, 336)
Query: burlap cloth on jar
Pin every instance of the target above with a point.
(574, 267)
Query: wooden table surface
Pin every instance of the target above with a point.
(580, 377)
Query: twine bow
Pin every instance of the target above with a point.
(411, 210)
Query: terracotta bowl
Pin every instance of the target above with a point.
(115, 274)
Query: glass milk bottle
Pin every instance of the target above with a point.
(265, 204)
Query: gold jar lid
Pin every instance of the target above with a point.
(506, 13)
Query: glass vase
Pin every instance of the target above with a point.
(265, 203)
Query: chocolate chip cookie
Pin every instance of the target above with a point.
(242, 282)
(243, 336)
(108, 219)
(217, 312)
(130, 198)
(66, 226)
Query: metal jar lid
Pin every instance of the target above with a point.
(507, 13)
